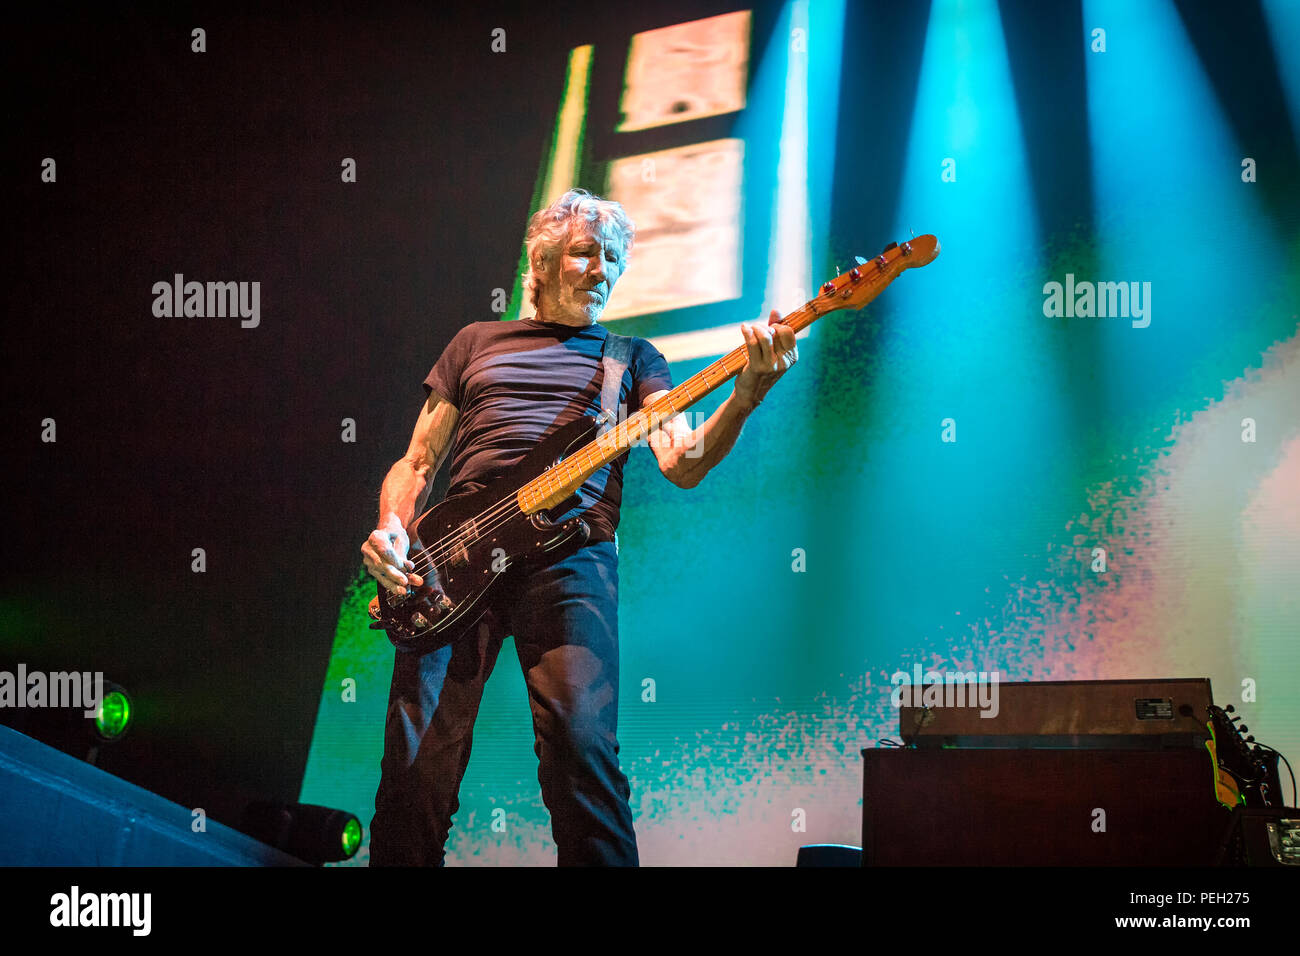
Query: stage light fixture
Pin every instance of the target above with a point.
(113, 716)
(351, 838)
(314, 834)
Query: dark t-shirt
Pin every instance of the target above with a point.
(516, 382)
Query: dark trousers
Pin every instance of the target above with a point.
(564, 618)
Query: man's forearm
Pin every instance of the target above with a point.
(709, 443)
(405, 489)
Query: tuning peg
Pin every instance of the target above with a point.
(859, 260)
(1230, 709)
(892, 245)
(1243, 728)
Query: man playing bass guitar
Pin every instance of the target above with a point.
(494, 393)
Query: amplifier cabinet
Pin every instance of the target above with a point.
(1140, 714)
(1005, 807)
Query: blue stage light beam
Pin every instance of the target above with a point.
(812, 38)
(966, 181)
(965, 380)
(956, 327)
(1283, 18)
(1175, 211)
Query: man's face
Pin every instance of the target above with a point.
(590, 263)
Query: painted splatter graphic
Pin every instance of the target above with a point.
(1203, 554)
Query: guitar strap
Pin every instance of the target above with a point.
(615, 354)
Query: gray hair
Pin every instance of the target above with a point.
(549, 227)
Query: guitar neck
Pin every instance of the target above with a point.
(850, 290)
(549, 489)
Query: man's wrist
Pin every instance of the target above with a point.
(389, 521)
(746, 402)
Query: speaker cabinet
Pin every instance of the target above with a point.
(1110, 807)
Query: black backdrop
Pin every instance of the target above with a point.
(183, 433)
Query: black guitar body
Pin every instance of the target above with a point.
(470, 539)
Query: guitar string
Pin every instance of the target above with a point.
(433, 556)
(495, 516)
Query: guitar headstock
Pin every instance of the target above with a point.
(1234, 750)
(861, 284)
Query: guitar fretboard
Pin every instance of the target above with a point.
(559, 483)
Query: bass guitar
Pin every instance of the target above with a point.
(465, 541)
